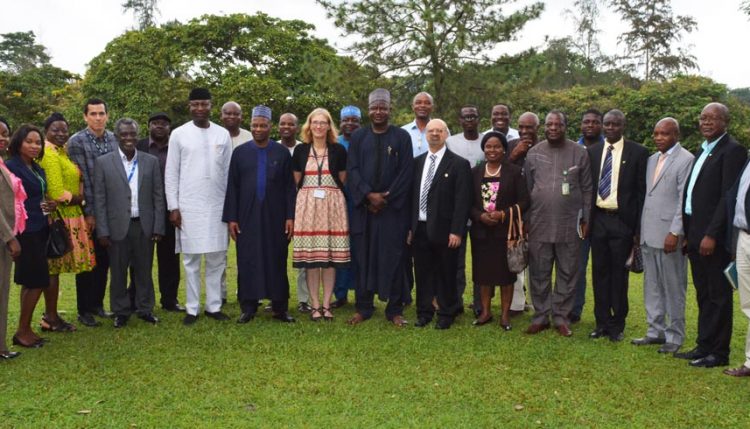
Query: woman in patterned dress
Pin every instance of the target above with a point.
(498, 185)
(321, 228)
(64, 186)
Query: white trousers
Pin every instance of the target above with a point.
(216, 263)
(743, 277)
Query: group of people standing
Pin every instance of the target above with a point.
(379, 209)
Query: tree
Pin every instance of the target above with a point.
(250, 59)
(653, 32)
(145, 11)
(426, 37)
(585, 18)
(745, 6)
(19, 51)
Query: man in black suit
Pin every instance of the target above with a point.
(157, 144)
(441, 197)
(618, 169)
(717, 165)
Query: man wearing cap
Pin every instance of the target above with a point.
(379, 169)
(195, 183)
(157, 144)
(350, 121)
(259, 212)
(231, 119)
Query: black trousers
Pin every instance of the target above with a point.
(92, 285)
(168, 265)
(611, 243)
(435, 267)
(714, 296)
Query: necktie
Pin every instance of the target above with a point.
(605, 183)
(426, 185)
(659, 165)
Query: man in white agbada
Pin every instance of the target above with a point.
(195, 184)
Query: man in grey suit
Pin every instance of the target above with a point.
(129, 210)
(664, 264)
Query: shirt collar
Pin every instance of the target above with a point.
(439, 153)
(672, 149)
(125, 158)
(582, 141)
(709, 146)
(617, 145)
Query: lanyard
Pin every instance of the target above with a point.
(41, 181)
(319, 164)
(132, 169)
(102, 149)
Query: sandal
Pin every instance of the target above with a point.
(327, 318)
(60, 326)
(317, 311)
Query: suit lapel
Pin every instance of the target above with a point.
(440, 170)
(720, 147)
(596, 161)
(140, 172)
(117, 161)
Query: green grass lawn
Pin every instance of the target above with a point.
(269, 374)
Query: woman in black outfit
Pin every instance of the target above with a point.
(31, 270)
(498, 185)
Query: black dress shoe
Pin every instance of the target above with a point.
(574, 318)
(149, 317)
(616, 338)
(104, 314)
(245, 317)
(691, 354)
(189, 319)
(443, 324)
(120, 321)
(87, 319)
(422, 322)
(669, 348)
(709, 361)
(9, 355)
(647, 341)
(217, 315)
(176, 308)
(304, 307)
(598, 333)
(339, 303)
(284, 317)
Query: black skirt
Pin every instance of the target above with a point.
(32, 270)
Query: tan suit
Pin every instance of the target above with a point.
(7, 221)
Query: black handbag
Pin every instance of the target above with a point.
(58, 240)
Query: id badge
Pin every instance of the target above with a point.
(319, 193)
(566, 188)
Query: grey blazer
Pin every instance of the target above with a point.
(112, 196)
(662, 208)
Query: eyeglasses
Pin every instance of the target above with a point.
(470, 117)
(319, 123)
